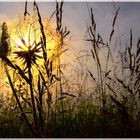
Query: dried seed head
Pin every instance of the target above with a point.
(5, 40)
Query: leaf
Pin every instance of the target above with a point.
(8, 62)
(56, 77)
(120, 81)
(122, 109)
(43, 79)
(116, 102)
(92, 19)
(93, 54)
(25, 11)
(61, 98)
(64, 93)
(91, 75)
(111, 89)
(115, 17)
(39, 86)
(124, 85)
(111, 34)
(107, 73)
(131, 38)
(22, 74)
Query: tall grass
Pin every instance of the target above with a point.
(46, 104)
(45, 77)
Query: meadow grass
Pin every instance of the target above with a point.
(48, 105)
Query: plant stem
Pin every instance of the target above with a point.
(32, 98)
(18, 102)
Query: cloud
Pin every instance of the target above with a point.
(76, 15)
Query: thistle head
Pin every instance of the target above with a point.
(30, 55)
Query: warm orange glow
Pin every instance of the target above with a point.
(19, 43)
(29, 31)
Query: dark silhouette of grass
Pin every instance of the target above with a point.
(113, 112)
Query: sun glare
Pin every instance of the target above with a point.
(20, 43)
(25, 37)
(25, 34)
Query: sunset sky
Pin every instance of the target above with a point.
(76, 16)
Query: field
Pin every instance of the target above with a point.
(44, 93)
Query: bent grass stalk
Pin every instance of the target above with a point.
(112, 114)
